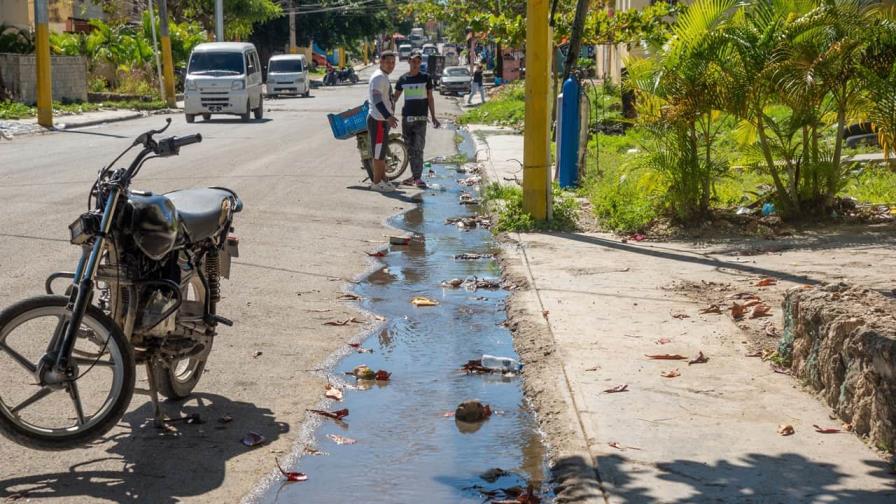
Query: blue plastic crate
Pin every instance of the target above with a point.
(349, 123)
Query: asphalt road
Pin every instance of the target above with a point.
(307, 223)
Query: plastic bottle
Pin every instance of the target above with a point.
(436, 187)
(502, 364)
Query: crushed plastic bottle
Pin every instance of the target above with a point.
(502, 364)
(436, 187)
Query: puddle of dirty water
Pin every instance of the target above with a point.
(407, 449)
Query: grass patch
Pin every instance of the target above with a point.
(506, 203)
(872, 184)
(506, 108)
(11, 110)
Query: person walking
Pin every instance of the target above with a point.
(380, 119)
(417, 89)
(476, 85)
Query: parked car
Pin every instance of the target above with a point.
(404, 51)
(288, 74)
(223, 78)
(430, 49)
(456, 80)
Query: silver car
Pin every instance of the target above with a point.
(456, 80)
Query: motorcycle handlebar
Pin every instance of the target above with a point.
(171, 146)
(187, 140)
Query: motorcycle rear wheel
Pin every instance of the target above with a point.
(103, 359)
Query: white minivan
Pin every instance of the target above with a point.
(223, 78)
(288, 74)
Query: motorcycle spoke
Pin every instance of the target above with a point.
(76, 400)
(40, 394)
(92, 361)
(16, 356)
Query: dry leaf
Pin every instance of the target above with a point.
(713, 308)
(257, 354)
(617, 388)
(673, 373)
(545, 314)
(780, 369)
(378, 253)
(291, 475)
(340, 440)
(680, 316)
(827, 430)
(752, 302)
(595, 368)
(319, 310)
(765, 282)
(333, 392)
(252, 439)
(757, 353)
(786, 430)
(737, 311)
(663, 341)
(699, 359)
(351, 297)
(337, 322)
(423, 301)
(616, 445)
(760, 310)
(666, 357)
(335, 415)
(771, 331)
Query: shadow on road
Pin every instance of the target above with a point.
(154, 465)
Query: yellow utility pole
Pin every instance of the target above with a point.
(341, 56)
(42, 54)
(167, 60)
(536, 139)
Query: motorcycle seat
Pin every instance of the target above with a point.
(204, 211)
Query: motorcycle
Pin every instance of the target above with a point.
(144, 291)
(335, 77)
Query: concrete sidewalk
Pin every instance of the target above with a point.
(596, 306)
(65, 122)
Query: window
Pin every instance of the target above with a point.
(285, 66)
(250, 64)
(216, 63)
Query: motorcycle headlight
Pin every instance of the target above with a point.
(238, 85)
(191, 85)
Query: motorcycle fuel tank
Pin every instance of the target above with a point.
(152, 221)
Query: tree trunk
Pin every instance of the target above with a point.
(834, 180)
(773, 170)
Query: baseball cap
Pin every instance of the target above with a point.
(416, 54)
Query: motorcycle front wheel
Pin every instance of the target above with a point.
(73, 411)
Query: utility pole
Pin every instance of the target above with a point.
(575, 40)
(167, 60)
(42, 55)
(219, 20)
(293, 49)
(155, 49)
(536, 139)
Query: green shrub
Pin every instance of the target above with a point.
(14, 110)
(506, 204)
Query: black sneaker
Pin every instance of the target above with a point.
(420, 184)
(408, 181)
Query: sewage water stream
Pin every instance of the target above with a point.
(408, 449)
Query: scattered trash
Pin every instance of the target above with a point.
(358, 348)
(780, 369)
(545, 314)
(252, 439)
(473, 257)
(347, 321)
(291, 475)
(638, 237)
(493, 475)
(225, 419)
(378, 253)
(827, 430)
(595, 368)
(617, 388)
(399, 240)
(771, 331)
(436, 187)
(333, 392)
(341, 440)
(423, 301)
(363, 372)
(672, 373)
(257, 354)
(757, 353)
(765, 282)
(786, 430)
(472, 411)
(663, 341)
(738, 311)
(666, 357)
(470, 181)
(500, 364)
(768, 209)
(468, 199)
(714, 308)
(680, 316)
(699, 359)
(350, 297)
(744, 211)
(619, 446)
(453, 283)
(382, 375)
(335, 415)
(192, 418)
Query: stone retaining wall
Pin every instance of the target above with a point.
(19, 75)
(841, 342)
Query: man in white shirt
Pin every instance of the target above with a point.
(380, 119)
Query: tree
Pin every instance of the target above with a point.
(240, 16)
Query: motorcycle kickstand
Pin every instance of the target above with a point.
(158, 419)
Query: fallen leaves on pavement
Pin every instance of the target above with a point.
(350, 297)
(699, 359)
(291, 475)
(617, 388)
(680, 316)
(827, 430)
(786, 430)
(345, 322)
(341, 440)
(378, 253)
(765, 282)
(663, 341)
(335, 415)
(760, 310)
(757, 353)
(672, 373)
(780, 369)
(666, 357)
(713, 308)
(737, 311)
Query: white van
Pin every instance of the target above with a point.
(404, 51)
(288, 74)
(223, 78)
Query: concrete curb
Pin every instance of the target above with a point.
(39, 130)
(573, 468)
